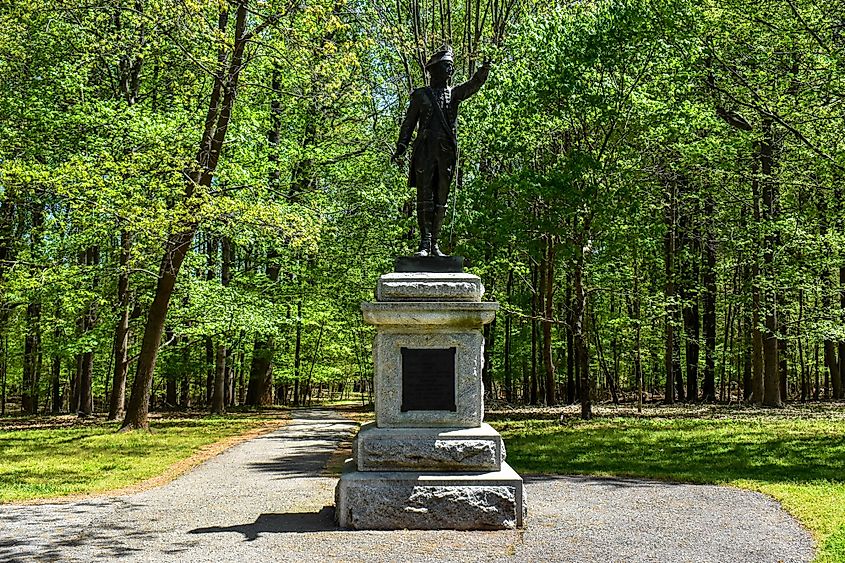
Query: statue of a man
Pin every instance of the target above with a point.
(435, 149)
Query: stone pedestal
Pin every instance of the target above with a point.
(428, 461)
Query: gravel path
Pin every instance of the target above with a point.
(264, 500)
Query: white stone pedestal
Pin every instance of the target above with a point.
(428, 461)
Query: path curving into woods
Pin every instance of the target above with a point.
(267, 500)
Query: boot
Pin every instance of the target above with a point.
(425, 246)
(437, 222)
(424, 217)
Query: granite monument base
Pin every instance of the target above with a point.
(428, 461)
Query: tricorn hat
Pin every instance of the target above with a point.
(443, 54)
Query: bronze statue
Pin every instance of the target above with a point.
(435, 150)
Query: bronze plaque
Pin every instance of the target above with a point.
(428, 379)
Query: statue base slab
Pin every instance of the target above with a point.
(433, 264)
(396, 500)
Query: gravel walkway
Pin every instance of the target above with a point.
(264, 500)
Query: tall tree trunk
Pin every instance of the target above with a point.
(805, 389)
(222, 393)
(571, 387)
(32, 340)
(211, 252)
(535, 293)
(634, 314)
(688, 291)
(709, 301)
(297, 358)
(56, 385)
(4, 361)
(757, 370)
(579, 333)
(670, 338)
(771, 389)
(842, 342)
(177, 245)
(548, 314)
(171, 375)
(32, 349)
(747, 386)
(218, 398)
(260, 386)
(86, 372)
(508, 368)
(185, 391)
(120, 349)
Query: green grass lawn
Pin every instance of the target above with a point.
(797, 459)
(45, 458)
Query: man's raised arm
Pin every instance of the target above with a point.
(471, 86)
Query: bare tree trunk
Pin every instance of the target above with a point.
(218, 398)
(669, 267)
(297, 359)
(121, 332)
(771, 389)
(176, 248)
(509, 395)
(32, 349)
(534, 333)
(709, 279)
(4, 361)
(171, 375)
(185, 391)
(32, 340)
(688, 291)
(56, 380)
(260, 386)
(580, 339)
(842, 342)
(548, 314)
(86, 396)
(571, 387)
(757, 377)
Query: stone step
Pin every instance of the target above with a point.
(428, 449)
(392, 500)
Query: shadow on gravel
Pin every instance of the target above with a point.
(296, 522)
(305, 452)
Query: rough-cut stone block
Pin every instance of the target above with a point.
(429, 287)
(423, 316)
(440, 501)
(469, 395)
(428, 449)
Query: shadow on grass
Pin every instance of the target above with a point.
(297, 522)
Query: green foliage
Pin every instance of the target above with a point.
(596, 117)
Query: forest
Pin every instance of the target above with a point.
(196, 196)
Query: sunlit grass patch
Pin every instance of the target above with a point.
(800, 461)
(45, 462)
